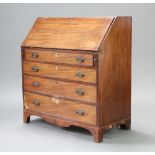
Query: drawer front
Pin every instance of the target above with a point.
(60, 88)
(59, 57)
(59, 71)
(61, 108)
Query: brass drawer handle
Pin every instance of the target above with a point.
(79, 74)
(35, 68)
(36, 102)
(80, 59)
(80, 92)
(35, 84)
(35, 55)
(80, 112)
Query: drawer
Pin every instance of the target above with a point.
(59, 57)
(60, 107)
(60, 89)
(59, 71)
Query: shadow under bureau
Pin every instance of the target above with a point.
(77, 72)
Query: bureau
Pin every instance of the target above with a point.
(77, 72)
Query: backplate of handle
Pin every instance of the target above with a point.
(35, 84)
(35, 68)
(80, 112)
(36, 102)
(80, 92)
(79, 59)
(35, 55)
(80, 74)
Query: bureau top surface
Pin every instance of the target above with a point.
(68, 33)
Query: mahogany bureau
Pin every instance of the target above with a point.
(77, 72)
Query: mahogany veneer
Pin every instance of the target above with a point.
(77, 72)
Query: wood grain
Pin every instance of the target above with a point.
(97, 132)
(114, 79)
(105, 43)
(60, 89)
(60, 108)
(60, 71)
(59, 56)
(68, 33)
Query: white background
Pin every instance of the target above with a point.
(15, 22)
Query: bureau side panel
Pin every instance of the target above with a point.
(114, 75)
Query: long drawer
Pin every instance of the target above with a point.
(59, 56)
(59, 88)
(59, 71)
(60, 107)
